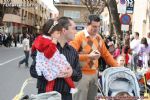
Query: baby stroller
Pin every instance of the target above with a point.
(54, 95)
(115, 80)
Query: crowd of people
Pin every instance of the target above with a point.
(68, 61)
(134, 49)
(12, 39)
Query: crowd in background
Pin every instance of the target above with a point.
(135, 50)
(10, 40)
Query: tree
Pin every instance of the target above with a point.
(114, 17)
(97, 7)
(94, 6)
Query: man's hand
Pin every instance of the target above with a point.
(94, 55)
(67, 73)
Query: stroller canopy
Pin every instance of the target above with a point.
(119, 79)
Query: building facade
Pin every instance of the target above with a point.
(73, 9)
(105, 21)
(141, 17)
(20, 16)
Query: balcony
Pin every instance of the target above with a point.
(74, 2)
(66, 1)
(12, 10)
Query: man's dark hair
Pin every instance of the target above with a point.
(64, 22)
(49, 27)
(93, 18)
(137, 34)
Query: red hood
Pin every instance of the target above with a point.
(44, 45)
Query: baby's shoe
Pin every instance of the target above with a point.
(73, 90)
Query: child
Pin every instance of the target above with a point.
(121, 60)
(49, 62)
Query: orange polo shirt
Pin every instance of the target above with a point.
(84, 44)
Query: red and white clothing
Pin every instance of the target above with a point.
(51, 68)
(49, 62)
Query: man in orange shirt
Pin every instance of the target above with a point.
(90, 47)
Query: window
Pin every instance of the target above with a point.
(72, 14)
(7, 1)
(77, 2)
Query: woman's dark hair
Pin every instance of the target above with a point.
(144, 41)
(126, 49)
(49, 27)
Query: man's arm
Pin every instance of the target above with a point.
(106, 55)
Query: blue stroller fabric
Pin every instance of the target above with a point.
(54, 95)
(119, 79)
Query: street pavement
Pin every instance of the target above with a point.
(11, 76)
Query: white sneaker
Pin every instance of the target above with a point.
(73, 90)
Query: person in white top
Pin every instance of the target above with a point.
(134, 46)
(26, 48)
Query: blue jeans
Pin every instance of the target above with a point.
(134, 62)
(25, 60)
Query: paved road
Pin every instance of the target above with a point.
(12, 77)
